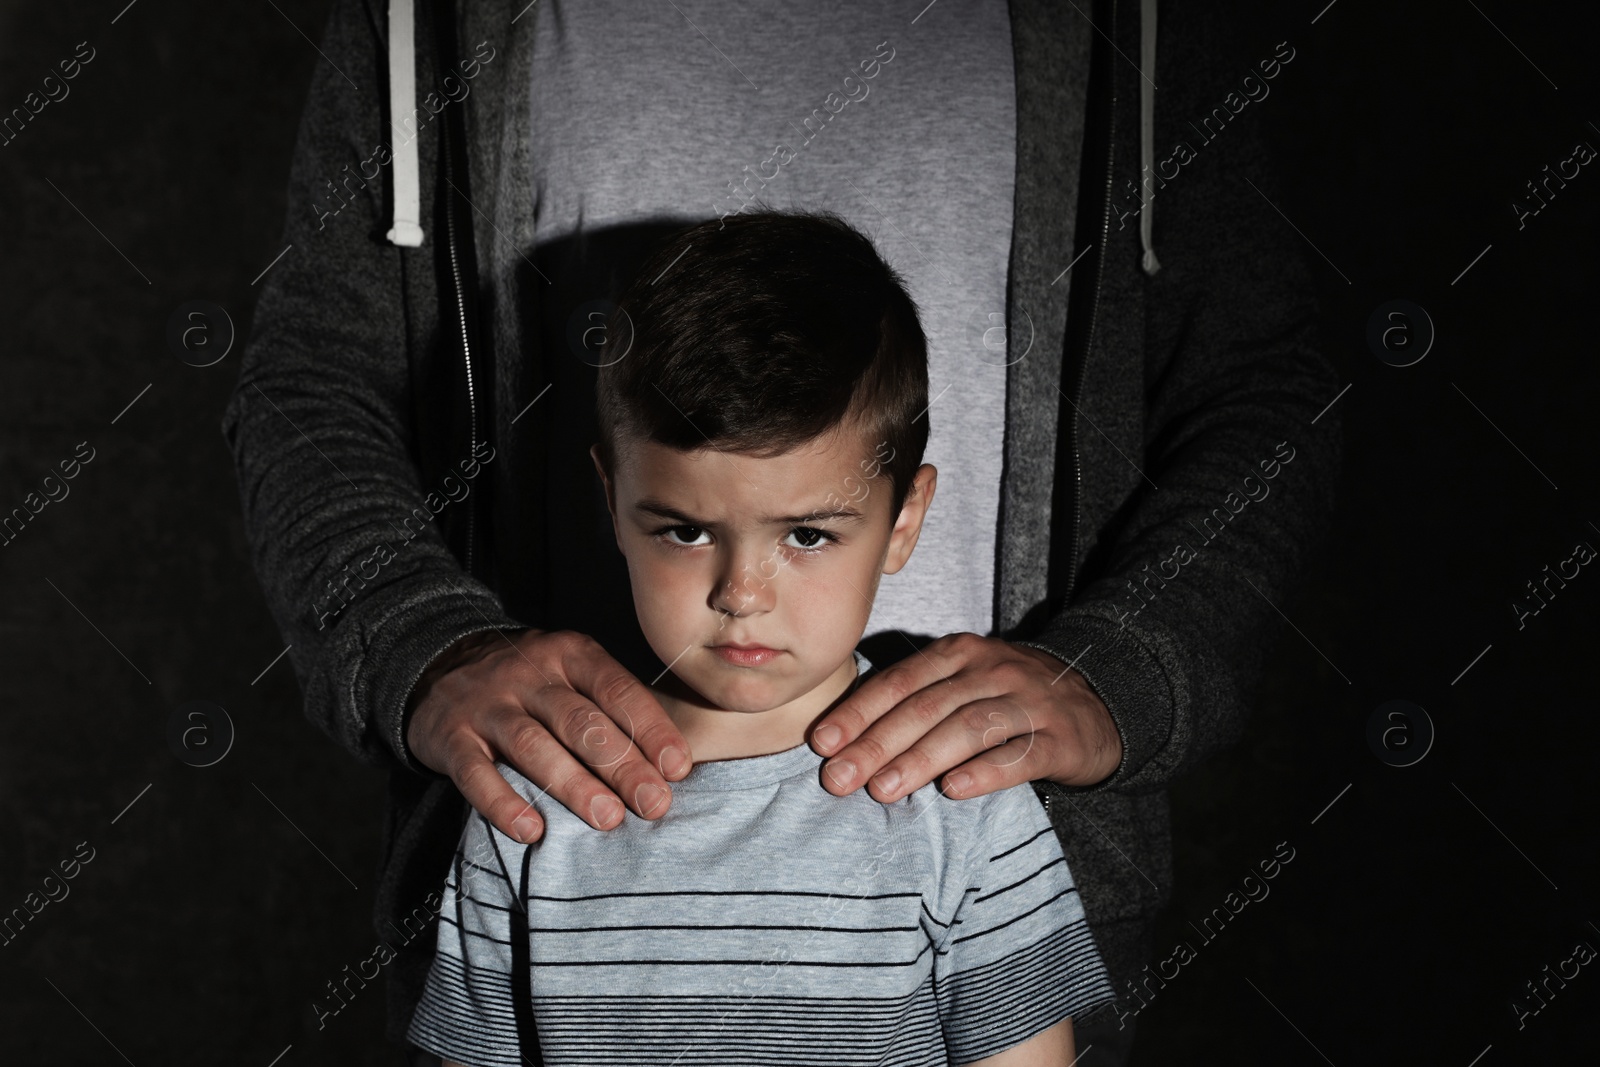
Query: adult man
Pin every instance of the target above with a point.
(1106, 416)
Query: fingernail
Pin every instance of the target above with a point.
(957, 783)
(673, 763)
(829, 736)
(523, 828)
(888, 781)
(843, 773)
(603, 811)
(649, 797)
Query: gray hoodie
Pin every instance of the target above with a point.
(1169, 459)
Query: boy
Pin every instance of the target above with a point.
(762, 407)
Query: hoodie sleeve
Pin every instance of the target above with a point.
(360, 582)
(1239, 434)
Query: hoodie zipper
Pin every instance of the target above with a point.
(466, 342)
(1088, 341)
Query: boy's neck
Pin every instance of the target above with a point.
(717, 734)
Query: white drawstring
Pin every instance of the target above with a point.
(1147, 131)
(407, 229)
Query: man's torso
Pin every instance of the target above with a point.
(641, 122)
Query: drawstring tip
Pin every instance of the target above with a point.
(1151, 264)
(406, 235)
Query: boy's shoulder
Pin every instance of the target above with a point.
(1011, 809)
(967, 837)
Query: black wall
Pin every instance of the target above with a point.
(1416, 906)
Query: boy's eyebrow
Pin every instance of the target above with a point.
(666, 511)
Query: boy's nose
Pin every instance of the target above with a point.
(747, 586)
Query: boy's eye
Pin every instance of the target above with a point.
(810, 537)
(691, 535)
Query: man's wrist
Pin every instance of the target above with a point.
(1103, 736)
(462, 650)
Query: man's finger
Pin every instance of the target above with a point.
(1021, 759)
(936, 662)
(481, 783)
(607, 754)
(542, 746)
(920, 737)
(629, 703)
(980, 723)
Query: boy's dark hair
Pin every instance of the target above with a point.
(761, 331)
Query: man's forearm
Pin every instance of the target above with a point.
(342, 532)
(1182, 595)
(1172, 634)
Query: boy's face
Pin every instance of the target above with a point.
(753, 578)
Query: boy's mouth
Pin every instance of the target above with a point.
(746, 655)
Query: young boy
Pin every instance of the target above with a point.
(762, 412)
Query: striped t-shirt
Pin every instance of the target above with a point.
(763, 920)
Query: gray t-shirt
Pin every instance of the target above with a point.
(764, 920)
(639, 117)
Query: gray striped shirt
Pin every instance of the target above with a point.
(763, 920)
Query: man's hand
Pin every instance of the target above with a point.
(999, 714)
(558, 708)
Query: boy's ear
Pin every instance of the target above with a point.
(908, 524)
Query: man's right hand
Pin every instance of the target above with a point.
(559, 709)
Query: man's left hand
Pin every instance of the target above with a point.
(992, 713)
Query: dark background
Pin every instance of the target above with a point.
(1417, 904)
